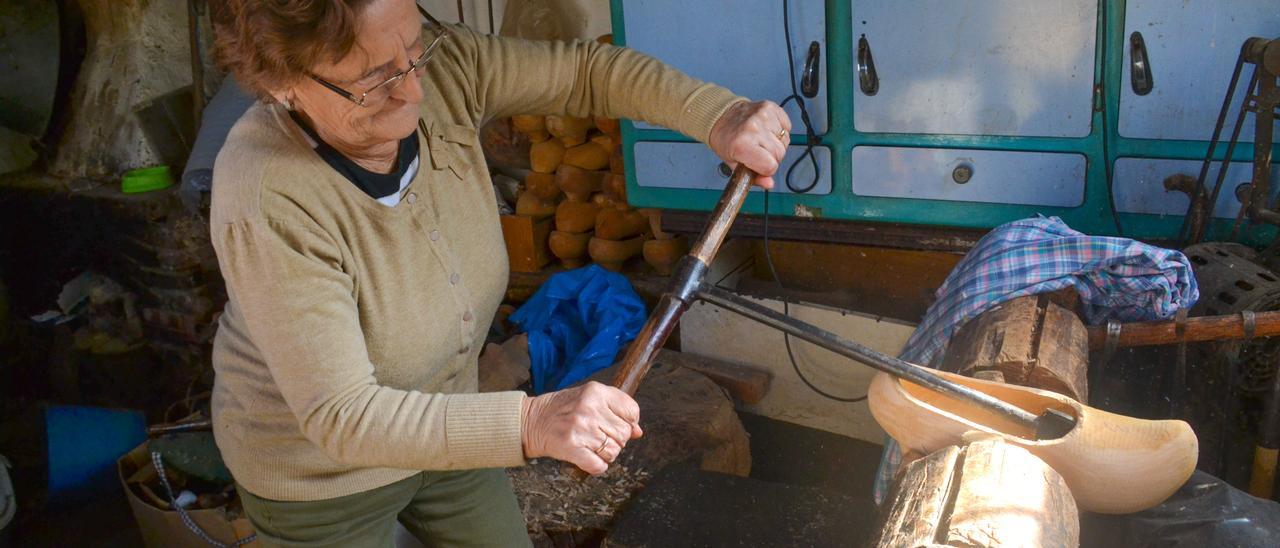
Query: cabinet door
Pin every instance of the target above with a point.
(1192, 49)
(694, 166)
(989, 176)
(738, 44)
(977, 67)
(1139, 185)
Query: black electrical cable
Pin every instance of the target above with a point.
(786, 310)
(811, 139)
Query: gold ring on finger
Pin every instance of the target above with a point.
(603, 445)
(782, 135)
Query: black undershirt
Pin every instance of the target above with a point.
(376, 185)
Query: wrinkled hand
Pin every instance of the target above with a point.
(586, 425)
(755, 134)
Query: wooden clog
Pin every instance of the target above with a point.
(615, 186)
(609, 126)
(607, 142)
(663, 254)
(531, 205)
(577, 183)
(576, 217)
(570, 248)
(605, 201)
(570, 130)
(589, 156)
(612, 254)
(542, 185)
(533, 126)
(525, 123)
(546, 156)
(655, 224)
(1113, 464)
(617, 224)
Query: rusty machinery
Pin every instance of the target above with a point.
(1262, 96)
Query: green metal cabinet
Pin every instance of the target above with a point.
(986, 110)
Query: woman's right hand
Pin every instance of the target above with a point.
(586, 425)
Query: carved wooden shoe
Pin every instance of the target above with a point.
(663, 254)
(528, 203)
(542, 185)
(1113, 464)
(612, 254)
(577, 183)
(576, 217)
(570, 248)
(617, 224)
(615, 186)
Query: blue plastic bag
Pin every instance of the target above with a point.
(577, 322)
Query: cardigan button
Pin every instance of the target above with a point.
(454, 279)
(435, 235)
(464, 349)
(412, 198)
(466, 316)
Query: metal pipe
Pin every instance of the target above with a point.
(1196, 232)
(852, 350)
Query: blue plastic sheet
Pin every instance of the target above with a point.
(577, 322)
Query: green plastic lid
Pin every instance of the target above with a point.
(146, 179)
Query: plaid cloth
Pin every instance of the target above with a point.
(1117, 279)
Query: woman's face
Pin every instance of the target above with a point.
(388, 39)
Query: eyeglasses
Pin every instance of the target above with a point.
(377, 94)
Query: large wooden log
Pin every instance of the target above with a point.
(984, 493)
(1032, 341)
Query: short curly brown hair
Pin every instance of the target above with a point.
(270, 44)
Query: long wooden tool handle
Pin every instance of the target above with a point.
(1205, 328)
(675, 301)
(672, 305)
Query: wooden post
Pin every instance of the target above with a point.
(985, 493)
(1032, 340)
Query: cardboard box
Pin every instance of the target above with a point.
(526, 239)
(163, 528)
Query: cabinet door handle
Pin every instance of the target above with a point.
(809, 79)
(1139, 65)
(868, 81)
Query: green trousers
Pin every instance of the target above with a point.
(459, 508)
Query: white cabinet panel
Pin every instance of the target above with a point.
(993, 176)
(694, 166)
(1192, 47)
(978, 67)
(1139, 185)
(738, 44)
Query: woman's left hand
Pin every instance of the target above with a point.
(755, 134)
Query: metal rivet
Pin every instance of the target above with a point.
(962, 174)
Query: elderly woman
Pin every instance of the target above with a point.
(357, 231)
